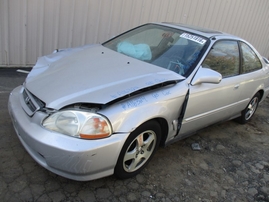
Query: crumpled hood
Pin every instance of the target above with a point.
(91, 74)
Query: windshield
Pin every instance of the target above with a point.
(170, 48)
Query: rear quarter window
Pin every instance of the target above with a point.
(250, 61)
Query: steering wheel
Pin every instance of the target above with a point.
(177, 65)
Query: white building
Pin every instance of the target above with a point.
(31, 28)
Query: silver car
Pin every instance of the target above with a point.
(97, 110)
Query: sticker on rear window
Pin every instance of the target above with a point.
(195, 38)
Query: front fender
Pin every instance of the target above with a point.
(128, 114)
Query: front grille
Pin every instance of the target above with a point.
(30, 103)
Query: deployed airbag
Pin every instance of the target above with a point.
(138, 51)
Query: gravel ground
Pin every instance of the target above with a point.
(232, 165)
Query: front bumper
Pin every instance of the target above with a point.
(70, 157)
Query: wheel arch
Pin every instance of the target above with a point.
(261, 92)
(164, 130)
(163, 125)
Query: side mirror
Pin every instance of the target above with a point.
(205, 75)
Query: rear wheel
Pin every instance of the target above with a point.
(249, 111)
(138, 150)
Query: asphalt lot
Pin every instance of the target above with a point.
(232, 165)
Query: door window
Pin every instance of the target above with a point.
(223, 58)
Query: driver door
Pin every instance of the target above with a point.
(210, 103)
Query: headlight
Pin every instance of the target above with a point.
(79, 124)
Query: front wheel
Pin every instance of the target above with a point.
(138, 150)
(249, 111)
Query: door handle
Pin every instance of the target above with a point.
(236, 86)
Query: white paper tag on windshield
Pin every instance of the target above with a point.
(195, 38)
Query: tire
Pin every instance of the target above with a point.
(138, 150)
(250, 110)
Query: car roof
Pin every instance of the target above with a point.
(198, 30)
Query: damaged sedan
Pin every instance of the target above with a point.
(97, 110)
